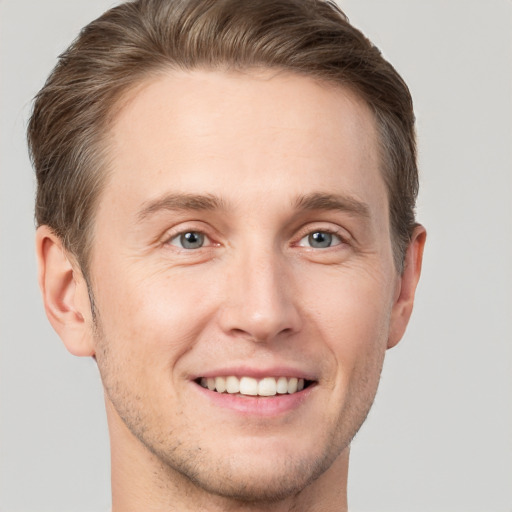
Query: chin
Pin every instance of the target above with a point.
(249, 481)
(273, 470)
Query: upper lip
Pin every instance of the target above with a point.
(257, 373)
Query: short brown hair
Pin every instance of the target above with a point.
(136, 39)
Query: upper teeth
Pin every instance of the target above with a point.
(268, 386)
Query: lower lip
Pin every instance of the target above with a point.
(257, 405)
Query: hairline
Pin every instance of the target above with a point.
(124, 94)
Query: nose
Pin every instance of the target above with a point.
(259, 301)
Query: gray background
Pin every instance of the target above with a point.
(440, 435)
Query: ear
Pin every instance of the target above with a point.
(65, 294)
(406, 286)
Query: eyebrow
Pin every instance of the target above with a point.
(175, 202)
(322, 201)
(209, 202)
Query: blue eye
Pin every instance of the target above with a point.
(320, 240)
(189, 240)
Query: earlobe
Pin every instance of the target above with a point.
(64, 292)
(404, 301)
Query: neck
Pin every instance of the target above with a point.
(141, 481)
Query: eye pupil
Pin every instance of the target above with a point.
(320, 239)
(192, 240)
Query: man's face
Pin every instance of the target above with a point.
(242, 239)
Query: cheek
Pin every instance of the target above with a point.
(353, 301)
(150, 317)
(352, 312)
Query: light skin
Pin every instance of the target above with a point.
(287, 271)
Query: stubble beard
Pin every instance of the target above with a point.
(195, 470)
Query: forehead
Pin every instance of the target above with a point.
(244, 134)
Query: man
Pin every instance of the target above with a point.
(225, 204)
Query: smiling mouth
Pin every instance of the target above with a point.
(248, 386)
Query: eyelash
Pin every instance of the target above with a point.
(177, 236)
(184, 233)
(329, 237)
(342, 238)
